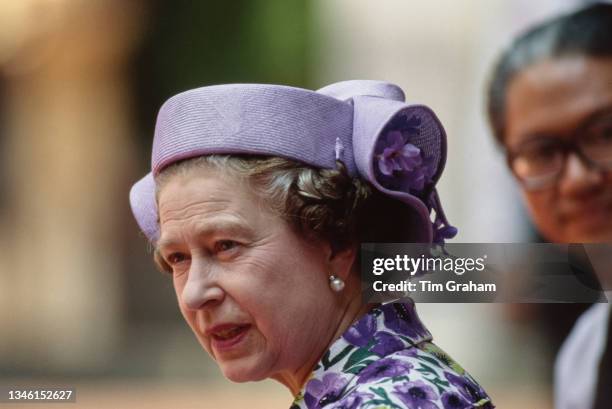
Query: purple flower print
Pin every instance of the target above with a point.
(417, 395)
(325, 391)
(453, 400)
(360, 333)
(386, 343)
(469, 389)
(353, 400)
(403, 320)
(410, 352)
(384, 368)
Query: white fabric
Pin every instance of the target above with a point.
(577, 364)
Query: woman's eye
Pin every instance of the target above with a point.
(539, 152)
(225, 245)
(545, 152)
(606, 133)
(176, 258)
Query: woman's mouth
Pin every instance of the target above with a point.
(227, 336)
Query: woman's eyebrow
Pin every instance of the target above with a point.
(530, 137)
(209, 228)
(602, 112)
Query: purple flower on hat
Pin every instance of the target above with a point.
(401, 165)
(416, 179)
(398, 155)
(322, 392)
(360, 333)
(417, 395)
(384, 368)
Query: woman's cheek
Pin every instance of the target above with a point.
(178, 282)
(258, 266)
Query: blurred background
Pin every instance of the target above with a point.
(81, 303)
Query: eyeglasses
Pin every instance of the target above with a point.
(538, 163)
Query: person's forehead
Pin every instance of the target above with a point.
(554, 96)
(203, 196)
(194, 188)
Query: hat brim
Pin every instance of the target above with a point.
(144, 207)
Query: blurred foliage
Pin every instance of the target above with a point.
(190, 44)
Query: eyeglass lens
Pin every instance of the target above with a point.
(540, 161)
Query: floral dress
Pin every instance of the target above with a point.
(387, 361)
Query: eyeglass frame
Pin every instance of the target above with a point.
(566, 145)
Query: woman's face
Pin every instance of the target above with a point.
(554, 99)
(255, 294)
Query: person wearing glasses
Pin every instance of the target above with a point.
(550, 106)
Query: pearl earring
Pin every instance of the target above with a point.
(335, 283)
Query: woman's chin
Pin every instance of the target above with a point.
(236, 372)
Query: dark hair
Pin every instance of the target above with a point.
(586, 32)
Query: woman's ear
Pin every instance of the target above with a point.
(342, 260)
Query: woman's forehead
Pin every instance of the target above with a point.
(556, 96)
(208, 201)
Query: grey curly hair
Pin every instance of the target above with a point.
(324, 204)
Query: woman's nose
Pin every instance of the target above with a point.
(201, 288)
(579, 177)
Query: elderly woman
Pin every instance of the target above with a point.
(257, 201)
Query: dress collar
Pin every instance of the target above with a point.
(385, 329)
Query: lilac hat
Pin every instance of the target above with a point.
(400, 148)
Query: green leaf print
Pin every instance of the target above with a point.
(356, 357)
(327, 362)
